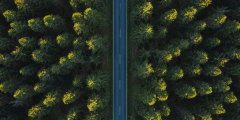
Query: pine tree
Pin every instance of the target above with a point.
(78, 17)
(70, 96)
(59, 70)
(42, 86)
(228, 28)
(203, 88)
(45, 75)
(29, 70)
(65, 39)
(194, 37)
(145, 95)
(215, 20)
(94, 19)
(145, 11)
(24, 92)
(211, 70)
(187, 14)
(161, 32)
(169, 16)
(196, 57)
(10, 15)
(41, 56)
(174, 73)
(18, 29)
(74, 113)
(197, 26)
(6, 44)
(142, 70)
(142, 32)
(55, 22)
(38, 111)
(76, 4)
(192, 70)
(97, 81)
(164, 3)
(79, 81)
(52, 98)
(98, 43)
(28, 42)
(200, 4)
(185, 91)
(37, 25)
(210, 43)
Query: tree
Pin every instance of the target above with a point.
(145, 11)
(28, 42)
(196, 57)
(78, 17)
(94, 19)
(164, 3)
(98, 43)
(185, 91)
(210, 43)
(192, 70)
(143, 55)
(82, 28)
(221, 84)
(52, 98)
(74, 113)
(169, 16)
(174, 73)
(161, 69)
(210, 70)
(65, 39)
(228, 28)
(9, 86)
(10, 15)
(215, 20)
(6, 44)
(97, 81)
(203, 88)
(41, 56)
(45, 75)
(145, 95)
(18, 29)
(59, 69)
(229, 97)
(66, 63)
(46, 43)
(194, 37)
(77, 4)
(200, 4)
(161, 32)
(38, 110)
(42, 86)
(187, 14)
(78, 81)
(142, 32)
(55, 22)
(96, 103)
(37, 25)
(142, 70)
(198, 26)
(70, 96)
(29, 70)
(175, 51)
(24, 92)
(79, 43)
(181, 43)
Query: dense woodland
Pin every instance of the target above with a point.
(186, 62)
(52, 55)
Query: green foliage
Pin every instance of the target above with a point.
(203, 88)
(142, 32)
(41, 56)
(78, 81)
(28, 42)
(10, 15)
(76, 4)
(185, 91)
(17, 29)
(74, 113)
(55, 22)
(59, 69)
(169, 16)
(210, 43)
(6, 44)
(38, 111)
(94, 19)
(210, 70)
(196, 57)
(45, 75)
(215, 20)
(198, 26)
(146, 11)
(41, 87)
(192, 70)
(70, 96)
(164, 3)
(97, 81)
(194, 38)
(78, 17)
(52, 98)
(37, 25)
(187, 14)
(65, 39)
(161, 32)
(200, 4)
(24, 92)
(175, 73)
(29, 70)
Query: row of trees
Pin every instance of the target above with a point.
(187, 63)
(51, 60)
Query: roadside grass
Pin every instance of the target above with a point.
(111, 58)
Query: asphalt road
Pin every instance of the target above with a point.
(119, 60)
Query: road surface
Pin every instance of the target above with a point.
(119, 60)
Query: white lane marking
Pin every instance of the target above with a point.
(120, 33)
(119, 110)
(119, 59)
(119, 84)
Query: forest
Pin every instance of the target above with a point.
(184, 59)
(55, 59)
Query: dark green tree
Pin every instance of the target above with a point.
(55, 22)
